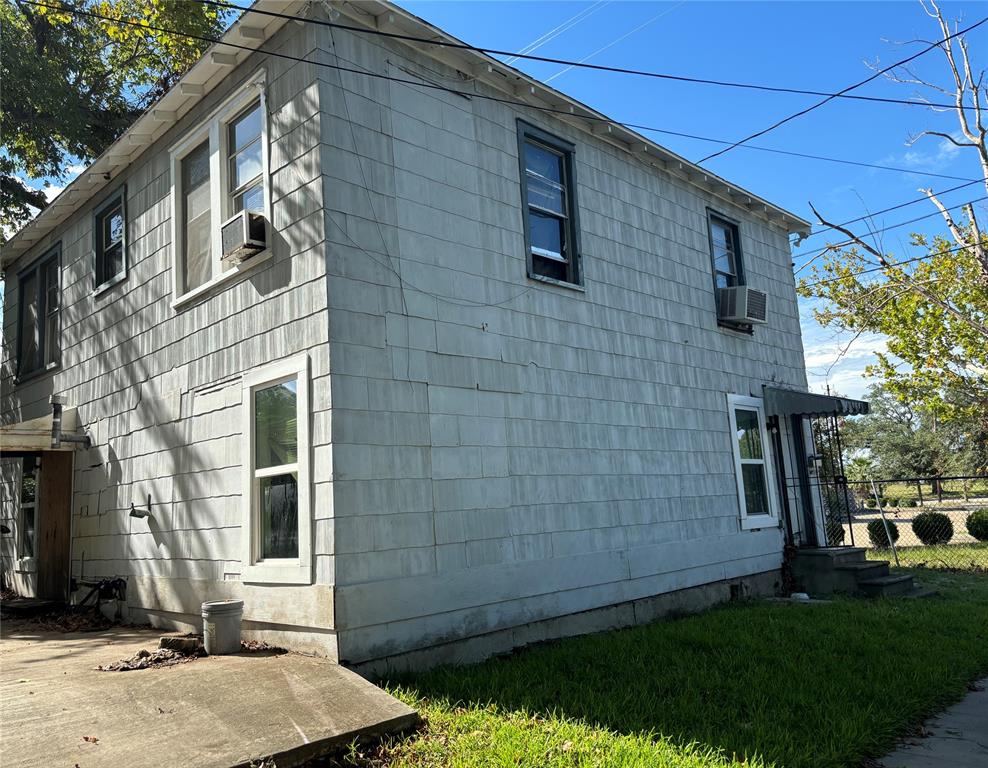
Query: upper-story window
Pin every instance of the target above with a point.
(110, 242)
(218, 170)
(246, 162)
(38, 343)
(725, 252)
(549, 201)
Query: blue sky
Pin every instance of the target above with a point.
(816, 45)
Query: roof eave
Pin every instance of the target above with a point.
(253, 29)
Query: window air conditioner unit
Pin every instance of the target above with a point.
(243, 236)
(741, 304)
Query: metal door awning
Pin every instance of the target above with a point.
(790, 402)
(37, 434)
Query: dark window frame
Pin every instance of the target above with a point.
(117, 199)
(735, 227)
(530, 134)
(37, 269)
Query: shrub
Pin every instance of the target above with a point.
(911, 503)
(933, 528)
(877, 535)
(893, 502)
(870, 502)
(977, 524)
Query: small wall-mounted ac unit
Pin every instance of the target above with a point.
(243, 235)
(741, 304)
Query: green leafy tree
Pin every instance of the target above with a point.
(71, 84)
(899, 442)
(932, 305)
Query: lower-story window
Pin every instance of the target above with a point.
(757, 496)
(276, 473)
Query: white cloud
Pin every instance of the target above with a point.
(937, 159)
(838, 360)
(822, 356)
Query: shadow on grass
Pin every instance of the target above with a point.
(798, 685)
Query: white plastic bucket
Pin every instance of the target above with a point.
(221, 621)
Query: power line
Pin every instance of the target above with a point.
(791, 153)
(904, 223)
(889, 209)
(843, 91)
(487, 97)
(481, 96)
(614, 42)
(559, 29)
(888, 266)
(569, 63)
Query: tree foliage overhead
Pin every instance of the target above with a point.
(931, 304)
(71, 84)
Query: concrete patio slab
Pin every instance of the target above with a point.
(221, 711)
(958, 738)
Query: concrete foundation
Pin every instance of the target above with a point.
(632, 613)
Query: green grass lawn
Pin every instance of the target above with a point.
(969, 557)
(753, 684)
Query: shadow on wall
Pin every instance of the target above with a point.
(149, 444)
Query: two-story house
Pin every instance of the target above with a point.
(409, 351)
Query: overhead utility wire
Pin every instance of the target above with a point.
(888, 210)
(486, 97)
(438, 87)
(844, 91)
(902, 224)
(567, 62)
(891, 265)
(565, 26)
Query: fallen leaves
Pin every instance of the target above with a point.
(145, 659)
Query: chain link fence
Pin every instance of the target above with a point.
(938, 522)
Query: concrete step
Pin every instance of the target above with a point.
(887, 586)
(920, 592)
(870, 569)
(835, 555)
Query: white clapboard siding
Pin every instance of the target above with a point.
(488, 450)
(159, 387)
(506, 450)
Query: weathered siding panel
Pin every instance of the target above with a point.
(507, 450)
(159, 387)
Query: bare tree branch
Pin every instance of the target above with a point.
(948, 219)
(942, 135)
(979, 245)
(914, 285)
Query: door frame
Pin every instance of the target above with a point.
(46, 573)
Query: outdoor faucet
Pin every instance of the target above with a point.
(141, 513)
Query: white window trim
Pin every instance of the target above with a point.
(751, 522)
(282, 570)
(28, 563)
(213, 128)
